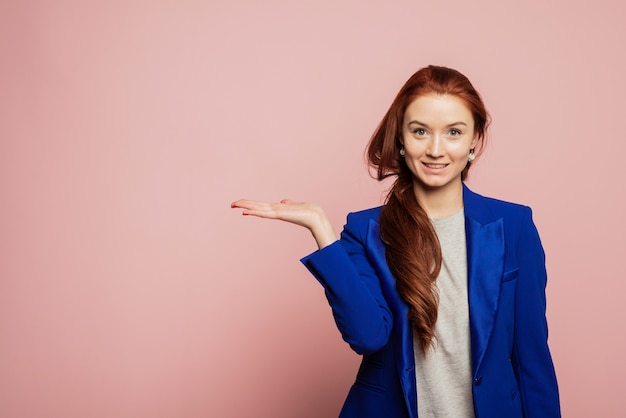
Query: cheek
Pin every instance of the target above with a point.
(460, 148)
(413, 152)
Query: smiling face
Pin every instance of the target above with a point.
(437, 134)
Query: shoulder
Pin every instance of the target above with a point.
(503, 205)
(365, 215)
(484, 208)
(358, 223)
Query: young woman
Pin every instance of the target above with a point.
(441, 290)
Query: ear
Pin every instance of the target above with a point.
(400, 138)
(474, 141)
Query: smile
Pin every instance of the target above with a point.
(435, 166)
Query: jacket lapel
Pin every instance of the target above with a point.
(485, 266)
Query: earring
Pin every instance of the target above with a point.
(402, 151)
(471, 156)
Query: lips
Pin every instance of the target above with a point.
(435, 166)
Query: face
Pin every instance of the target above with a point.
(438, 133)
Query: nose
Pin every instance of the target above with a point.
(435, 147)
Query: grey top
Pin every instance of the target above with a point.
(444, 375)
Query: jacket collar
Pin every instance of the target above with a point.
(476, 207)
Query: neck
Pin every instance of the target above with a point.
(440, 202)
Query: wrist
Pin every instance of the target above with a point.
(323, 232)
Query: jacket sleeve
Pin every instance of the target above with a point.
(531, 357)
(353, 289)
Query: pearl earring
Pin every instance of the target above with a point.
(471, 156)
(402, 151)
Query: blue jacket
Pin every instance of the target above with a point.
(513, 374)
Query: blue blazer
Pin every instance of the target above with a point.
(513, 374)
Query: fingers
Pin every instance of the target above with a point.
(250, 205)
(256, 208)
(256, 205)
(241, 203)
(246, 204)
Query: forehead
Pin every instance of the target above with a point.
(433, 108)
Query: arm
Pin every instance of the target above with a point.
(531, 356)
(353, 290)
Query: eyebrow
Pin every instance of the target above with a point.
(417, 122)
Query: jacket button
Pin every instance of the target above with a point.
(478, 380)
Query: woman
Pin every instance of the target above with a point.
(441, 290)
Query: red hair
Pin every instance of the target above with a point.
(413, 251)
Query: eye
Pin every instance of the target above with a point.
(419, 132)
(455, 132)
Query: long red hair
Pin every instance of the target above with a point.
(413, 251)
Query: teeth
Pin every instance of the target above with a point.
(435, 165)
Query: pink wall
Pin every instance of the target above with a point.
(128, 288)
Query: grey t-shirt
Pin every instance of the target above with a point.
(444, 375)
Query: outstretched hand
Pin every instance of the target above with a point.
(307, 215)
(299, 213)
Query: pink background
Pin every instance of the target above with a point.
(128, 288)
